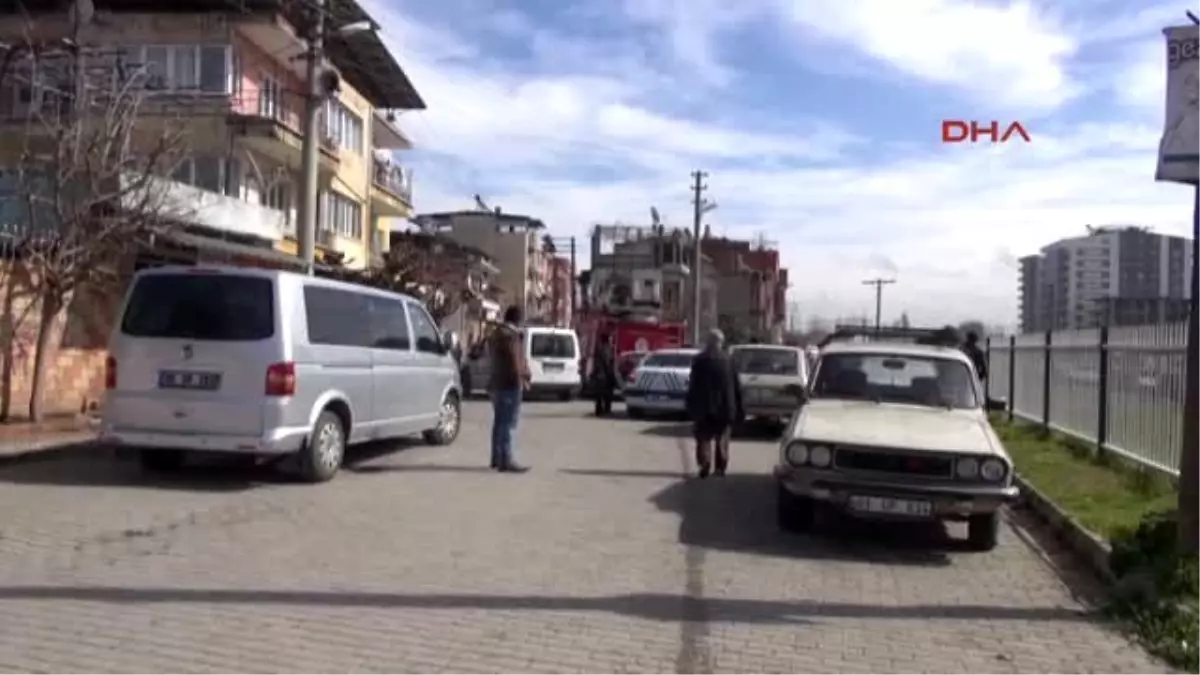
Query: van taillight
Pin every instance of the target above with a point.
(281, 379)
(110, 373)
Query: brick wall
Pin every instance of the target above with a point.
(75, 372)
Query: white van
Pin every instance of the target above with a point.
(263, 362)
(554, 362)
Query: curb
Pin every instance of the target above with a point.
(48, 449)
(1085, 544)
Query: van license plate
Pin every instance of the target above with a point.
(176, 379)
(552, 367)
(889, 506)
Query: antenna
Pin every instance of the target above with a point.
(654, 217)
(480, 204)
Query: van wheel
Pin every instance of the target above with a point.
(449, 422)
(983, 531)
(321, 456)
(566, 395)
(161, 460)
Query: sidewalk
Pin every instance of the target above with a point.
(23, 441)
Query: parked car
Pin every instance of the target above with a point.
(627, 363)
(660, 383)
(271, 363)
(894, 431)
(554, 363)
(772, 377)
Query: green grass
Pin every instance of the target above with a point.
(1106, 496)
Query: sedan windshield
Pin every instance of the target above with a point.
(892, 378)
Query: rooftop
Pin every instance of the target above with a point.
(497, 216)
(363, 59)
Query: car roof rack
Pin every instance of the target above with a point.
(946, 336)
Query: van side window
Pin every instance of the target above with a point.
(425, 332)
(389, 324)
(337, 317)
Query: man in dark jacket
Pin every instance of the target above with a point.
(971, 347)
(604, 374)
(509, 378)
(714, 402)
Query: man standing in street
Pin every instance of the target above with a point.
(714, 402)
(604, 374)
(978, 358)
(509, 378)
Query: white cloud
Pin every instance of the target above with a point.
(947, 223)
(1013, 54)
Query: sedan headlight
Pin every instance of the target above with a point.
(967, 468)
(797, 454)
(820, 456)
(993, 470)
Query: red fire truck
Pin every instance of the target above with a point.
(631, 333)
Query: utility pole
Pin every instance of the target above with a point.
(700, 206)
(313, 103)
(573, 279)
(878, 283)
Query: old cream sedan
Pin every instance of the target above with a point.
(894, 431)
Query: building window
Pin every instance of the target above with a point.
(181, 68)
(270, 98)
(341, 215)
(214, 174)
(343, 127)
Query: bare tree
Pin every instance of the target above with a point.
(423, 266)
(87, 174)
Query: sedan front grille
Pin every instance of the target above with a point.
(909, 464)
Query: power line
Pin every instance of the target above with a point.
(878, 283)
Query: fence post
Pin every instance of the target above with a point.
(1102, 394)
(1012, 377)
(1046, 381)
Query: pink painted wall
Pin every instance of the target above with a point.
(255, 64)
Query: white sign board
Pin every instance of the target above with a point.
(1179, 150)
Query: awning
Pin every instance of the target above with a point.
(235, 249)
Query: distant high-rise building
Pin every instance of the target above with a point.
(1110, 276)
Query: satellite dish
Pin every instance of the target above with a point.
(654, 216)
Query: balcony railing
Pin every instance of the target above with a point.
(394, 179)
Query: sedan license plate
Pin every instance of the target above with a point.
(889, 506)
(657, 397)
(176, 379)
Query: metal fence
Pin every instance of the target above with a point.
(1121, 388)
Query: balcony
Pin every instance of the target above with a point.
(279, 138)
(191, 205)
(391, 195)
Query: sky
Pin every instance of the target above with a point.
(817, 121)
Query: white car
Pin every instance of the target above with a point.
(660, 383)
(898, 431)
(772, 379)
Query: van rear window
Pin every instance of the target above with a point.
(551, 345)
(201, 307)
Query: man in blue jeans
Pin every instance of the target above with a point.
(509, 378)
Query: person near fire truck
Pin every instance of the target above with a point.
(604, 374)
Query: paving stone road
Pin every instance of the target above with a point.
(602, 559)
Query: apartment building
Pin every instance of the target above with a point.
(514, 243)
(1120, 275)
(753, 286)
(649, 268)
(231, 76)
